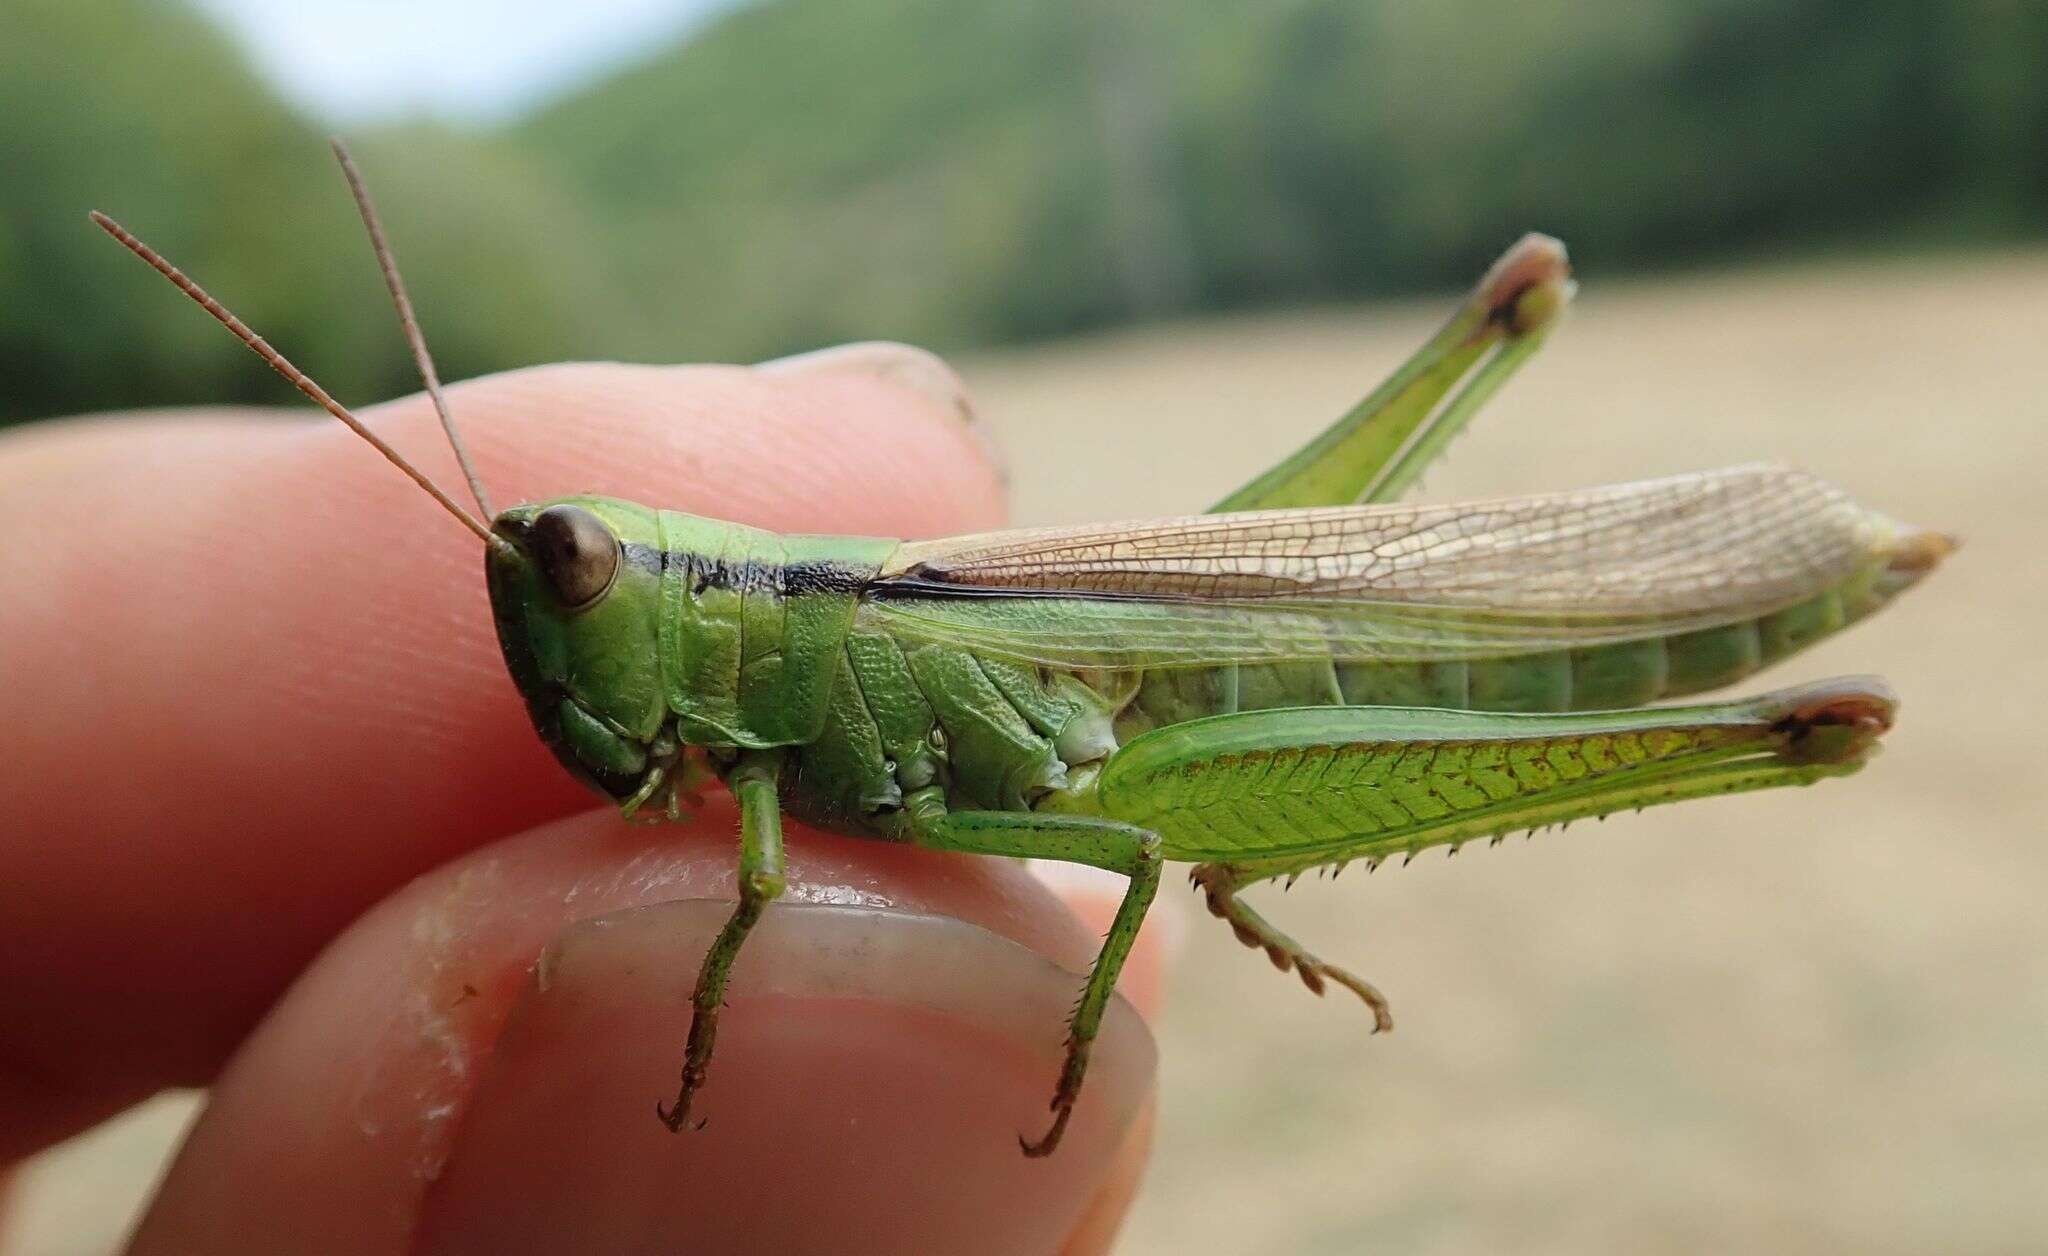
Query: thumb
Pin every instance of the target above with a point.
(426, 1086)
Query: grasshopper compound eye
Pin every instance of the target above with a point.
(577, 553)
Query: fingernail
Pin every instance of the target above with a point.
(873, 1071)
(917, 369)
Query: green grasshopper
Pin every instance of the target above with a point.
(1307, 675)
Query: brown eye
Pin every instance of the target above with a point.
(576, 552)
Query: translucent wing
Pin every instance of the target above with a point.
(1389, 583)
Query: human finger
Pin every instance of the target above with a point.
(254, 680)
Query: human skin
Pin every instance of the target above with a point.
(278, 826)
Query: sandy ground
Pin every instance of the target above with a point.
(1816, 1020)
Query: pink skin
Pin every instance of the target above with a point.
(256, 694)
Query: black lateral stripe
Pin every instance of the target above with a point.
(919, 582)
(786, 580)
(644, 557)
(823, 576)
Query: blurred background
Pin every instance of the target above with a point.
(718, 180)
(1808, 230)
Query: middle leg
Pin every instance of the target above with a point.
(1107, 844)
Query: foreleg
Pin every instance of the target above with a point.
(762, 879)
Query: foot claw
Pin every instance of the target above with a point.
(676, 1116)
(1382, 1016)
(1044, 1146)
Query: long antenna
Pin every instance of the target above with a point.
(300, 380)
(413, 336)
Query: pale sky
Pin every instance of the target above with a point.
(373, 60)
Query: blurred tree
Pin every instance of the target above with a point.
(142, 109)
(963, 172)
(958, 172)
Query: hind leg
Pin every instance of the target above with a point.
(1375, 452)
(1220, 884)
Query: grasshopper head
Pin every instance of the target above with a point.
(576, 595)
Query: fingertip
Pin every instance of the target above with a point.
(860, 1098)
(907, 366)
(866, 443)
(919, 370)
(1104, 1217)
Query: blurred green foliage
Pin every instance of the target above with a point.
(963, 172)
(144, 110)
